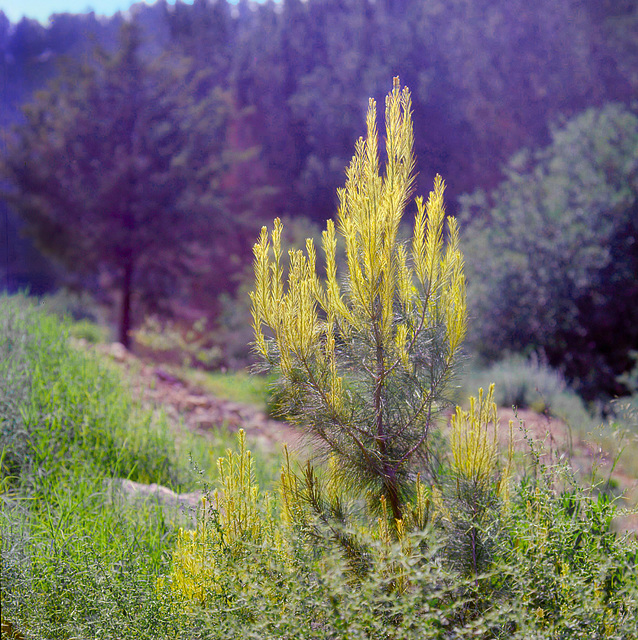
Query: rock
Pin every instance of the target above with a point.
(157, 493)
(117, 351)
(165, 376)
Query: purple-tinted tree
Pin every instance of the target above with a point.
(118, 167)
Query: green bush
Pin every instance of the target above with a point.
(550, 256)
(530, 383)
(532, 558)
(190, 346)
(73, 305)
(89, 331)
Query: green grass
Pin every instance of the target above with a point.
(61, 405)
(81, 560)
(78, 559)
(237, 386)
(84, 563)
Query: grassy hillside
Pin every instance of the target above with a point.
(83, 559)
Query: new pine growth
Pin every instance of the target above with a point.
(364, 358)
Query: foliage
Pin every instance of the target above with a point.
(82, 561)
(574, 574)
(488, 76)
(73, 551)
(60, 405)
(533, 560)
(530, 383)
(236, 522)
(550, 253)
(191, 346)
(364, 366)
(116, 171)
(89, 332)
(79, 557)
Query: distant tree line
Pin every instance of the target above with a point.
(488, 78)
(286, 85)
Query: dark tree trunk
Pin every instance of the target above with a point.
(125, 318)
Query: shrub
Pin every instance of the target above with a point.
(189, 346)
(486, 558)
(551, 259)
(89, 331)
(530, 383)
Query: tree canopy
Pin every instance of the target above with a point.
(117, 170)
(552, 258)
(489, 77)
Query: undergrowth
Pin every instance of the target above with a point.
(61, 407)
(530, 383)
(479, 554)
(79, 558)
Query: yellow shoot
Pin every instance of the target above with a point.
(344, 345)
(242, 515)
(473, 439)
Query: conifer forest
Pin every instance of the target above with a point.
(319, 319)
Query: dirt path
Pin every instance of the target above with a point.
(197, 410)
(201, 412)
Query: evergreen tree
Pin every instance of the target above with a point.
(364, 364)
(118, 169)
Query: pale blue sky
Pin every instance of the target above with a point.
(42, 9)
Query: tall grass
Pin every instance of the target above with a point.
(61, 407)
(81, 560)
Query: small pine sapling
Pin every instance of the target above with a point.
(365, 361)
(479, 485)
(234, 522)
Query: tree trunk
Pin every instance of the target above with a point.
(125, 318)
(390, 484)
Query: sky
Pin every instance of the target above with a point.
(40, 10)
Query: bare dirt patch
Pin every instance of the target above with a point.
(190, 407)
(198, 411)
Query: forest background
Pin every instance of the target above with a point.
(537, 99)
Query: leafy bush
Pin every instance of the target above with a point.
(489, 558)
(73, 305)
(89, 331)
(551, 257)
(530, 383)
(190, 346)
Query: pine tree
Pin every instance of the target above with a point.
(118, 170)
(364, 362)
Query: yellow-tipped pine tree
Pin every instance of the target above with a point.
(364, 360)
